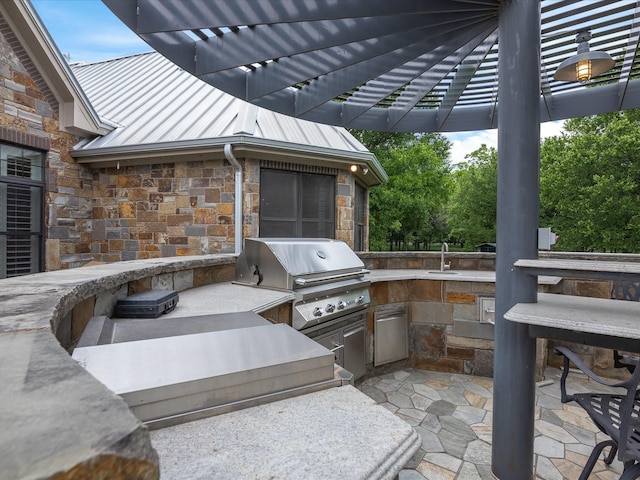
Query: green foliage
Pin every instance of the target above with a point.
(472, 210)
(381, 143)
(590, 183)
(409, 208)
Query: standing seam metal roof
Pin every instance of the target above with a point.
(156, 103)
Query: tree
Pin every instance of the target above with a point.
(407, 210)
(382, 143)
(590, 183)
(472, 210)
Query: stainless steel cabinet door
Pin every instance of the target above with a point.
(391, 336)
(354, 354)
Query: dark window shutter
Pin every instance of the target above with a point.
(296, 204)
(21, 217)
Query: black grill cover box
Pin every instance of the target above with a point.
(149, 304)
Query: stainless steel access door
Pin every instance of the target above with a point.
(391, 334)
(354, 355)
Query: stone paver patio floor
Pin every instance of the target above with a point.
(453, 415)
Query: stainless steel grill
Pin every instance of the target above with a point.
(326, 276)
(328, 282)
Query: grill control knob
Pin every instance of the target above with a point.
(330, 308)
(341, 305)
(317, 312)
(360, 299)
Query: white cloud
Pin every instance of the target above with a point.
(551, 129)
(462, 144)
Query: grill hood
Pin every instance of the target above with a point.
(293, 263)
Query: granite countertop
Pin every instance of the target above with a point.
(599, 316)
(230, 297)
(389, 275)
(334, 433)
(227, 297)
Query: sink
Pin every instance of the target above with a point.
(446, 272)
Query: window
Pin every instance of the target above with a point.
(21, 205)
(296, 204)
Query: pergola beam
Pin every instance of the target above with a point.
(162, 15)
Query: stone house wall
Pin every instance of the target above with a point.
(184, 208)
(345, 191)
(29, 117)
(159, 209)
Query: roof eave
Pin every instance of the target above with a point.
(247, 146)
(77, 115)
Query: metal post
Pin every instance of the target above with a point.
(517, 222)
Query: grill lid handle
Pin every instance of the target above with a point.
(311, 281)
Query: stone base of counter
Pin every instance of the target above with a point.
(335, 433)
(59, 422)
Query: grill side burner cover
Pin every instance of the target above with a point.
(290, 263)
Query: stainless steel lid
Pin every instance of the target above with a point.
(291, 263)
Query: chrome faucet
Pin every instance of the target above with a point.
(444, 248)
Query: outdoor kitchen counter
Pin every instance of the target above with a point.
(391, 275)
(334, 433)
(229, 297)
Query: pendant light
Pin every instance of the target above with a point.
(585, 65)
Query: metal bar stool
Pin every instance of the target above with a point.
(616, 415)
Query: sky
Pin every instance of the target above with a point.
(87, 31)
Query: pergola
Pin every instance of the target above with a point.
(422, 66)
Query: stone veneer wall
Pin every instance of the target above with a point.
(29, 118)
(445, 333)
(435, 307)
(163, 210)
(184, 208)
(432, 307)
(345, 201)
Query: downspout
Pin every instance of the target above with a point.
(228, 154)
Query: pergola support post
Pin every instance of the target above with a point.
(517, 222)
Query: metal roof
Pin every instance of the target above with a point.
(427, 65)
(157, 105)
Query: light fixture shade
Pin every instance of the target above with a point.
(599, 63)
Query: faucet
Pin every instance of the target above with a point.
(444, 248)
